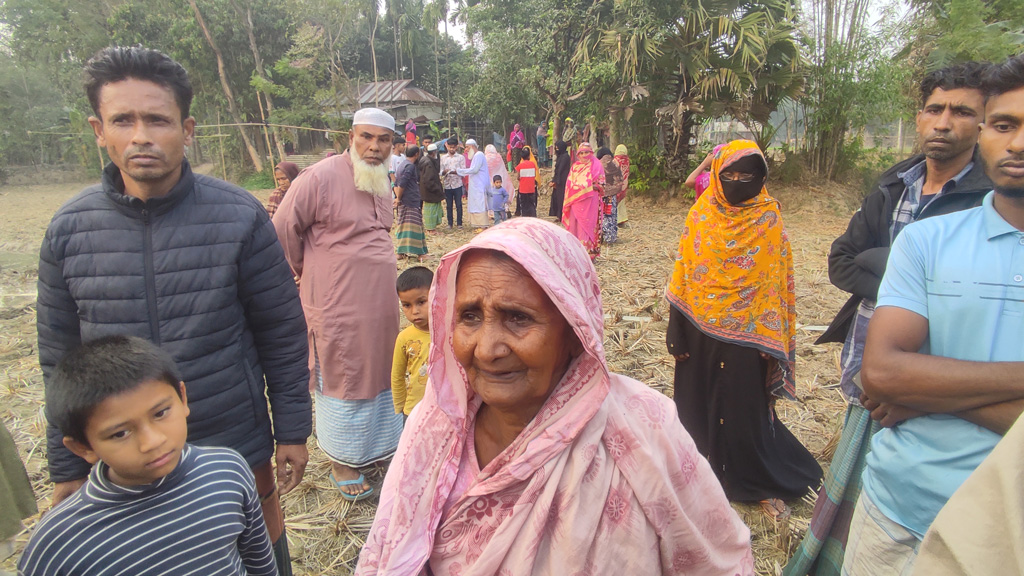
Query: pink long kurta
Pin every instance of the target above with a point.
(337, 240)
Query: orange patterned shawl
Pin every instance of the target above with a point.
(733, 275)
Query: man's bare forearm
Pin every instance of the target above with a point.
(995, 417)
(938, 384)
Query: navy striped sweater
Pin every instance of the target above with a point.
(203, 518)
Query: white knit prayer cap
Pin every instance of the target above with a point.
(374, 117)
(432, 148)
(472, 143)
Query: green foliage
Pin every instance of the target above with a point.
(258, 181)
(648, 174)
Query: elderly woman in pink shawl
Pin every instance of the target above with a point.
(526, 455)
(581, 212)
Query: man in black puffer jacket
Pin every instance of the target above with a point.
(948, 177)
(190, 262)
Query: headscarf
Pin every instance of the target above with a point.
(733, 276)
(622, 159)
(562, 163)
(290, 169)
(517, 139)
(603, 478)
(584, 176)
(496, 165)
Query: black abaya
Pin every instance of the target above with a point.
(562, 164)
(723, 403)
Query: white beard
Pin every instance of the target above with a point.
(369, 178)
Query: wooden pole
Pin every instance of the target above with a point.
(266, 133)
(220, 140)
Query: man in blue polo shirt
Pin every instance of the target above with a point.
(945, 348)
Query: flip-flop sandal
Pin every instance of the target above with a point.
(775, 509)
(352, 497)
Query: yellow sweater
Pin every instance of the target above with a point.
(411, 351)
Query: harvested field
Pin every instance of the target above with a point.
(326, 532)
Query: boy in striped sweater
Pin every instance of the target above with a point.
(153, 504)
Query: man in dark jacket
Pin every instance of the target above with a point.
(431, 191)
(949, 176)
(188, 261)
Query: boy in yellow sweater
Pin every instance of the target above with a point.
(413, 344)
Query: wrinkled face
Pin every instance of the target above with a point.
(415, 307)
(141, 127)
(947, 125)
(510, 338)
(282, 180)
(370, 143)
(1002, 142)
(139, 434)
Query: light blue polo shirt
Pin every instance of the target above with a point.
(964, 272)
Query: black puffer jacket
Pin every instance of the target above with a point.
(857, 259)
(199, 272)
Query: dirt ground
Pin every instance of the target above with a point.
(325, 532)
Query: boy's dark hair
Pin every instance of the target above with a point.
(1005, 76)
(453, 141)
(93, 372)
(413, 278)
(497, 178)
(118, 63)
(411, 151)
(962, 75)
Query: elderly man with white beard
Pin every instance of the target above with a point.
(335, 227)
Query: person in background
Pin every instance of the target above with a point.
(284, 173)
(542, 144)
(335, 226)
(527, 194)
(581, 212)
(732, 332)
(517, 140)
(409, 238)
(451, 162)
(558, 180)
(948, 176)
(570, 135)
(17, 501)
(397, 157)
(409, 368)
(497, 200)
(426, 141)
(496, 167)
(479, 181)
(609, 200)
(410, 133)
(700, 177)
(153, 503)
(430, 190)
(622, 159)
(527, 454)
(186, 261)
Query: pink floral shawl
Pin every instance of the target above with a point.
(604, 480)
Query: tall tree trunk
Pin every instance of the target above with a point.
(246, 16)
(257, 162)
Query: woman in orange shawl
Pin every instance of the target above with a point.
(732, 331)
(581, 213)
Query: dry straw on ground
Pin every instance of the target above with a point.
(326, 532)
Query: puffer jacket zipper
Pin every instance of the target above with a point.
(147, 252)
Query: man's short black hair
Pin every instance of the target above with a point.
(1005, 76)
(413, 278)
(962, 75)
(118, 63)
(453, 141)
(411, 151)
(93, 372)
(497, 178)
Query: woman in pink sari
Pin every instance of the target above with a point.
(527, 456)
(581, 212)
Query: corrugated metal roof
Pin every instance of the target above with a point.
(394, 91)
